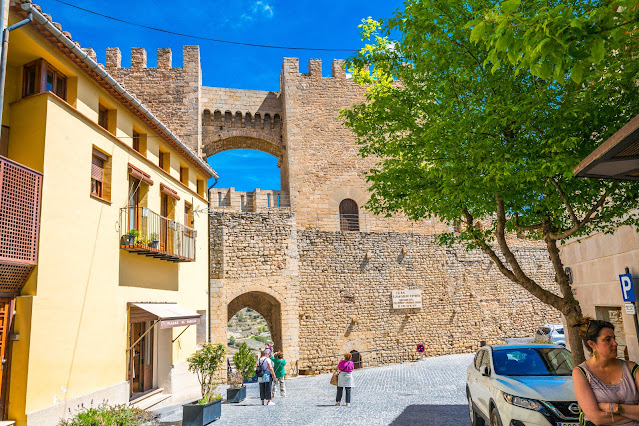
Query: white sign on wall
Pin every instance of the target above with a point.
(406, 299)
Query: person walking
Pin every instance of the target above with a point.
(345, 379)
(266, 380)
(278, 366)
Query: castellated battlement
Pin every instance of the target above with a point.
(227, 119)
(190, 58)
(292, 66)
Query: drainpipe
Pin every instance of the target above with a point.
(5, 49)
(208, 245)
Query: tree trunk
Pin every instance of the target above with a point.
(576, 344)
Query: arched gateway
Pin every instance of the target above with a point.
(264, 304)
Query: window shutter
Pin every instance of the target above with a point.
(97, 168)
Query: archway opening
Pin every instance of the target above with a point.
(263, 321)
(246, 169)
(250, 327)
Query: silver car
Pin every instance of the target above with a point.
(553, 333)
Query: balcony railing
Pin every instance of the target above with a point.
(20, 189)
(145, 232)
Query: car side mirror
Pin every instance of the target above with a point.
(484, 370)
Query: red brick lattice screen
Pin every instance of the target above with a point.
(19, 223)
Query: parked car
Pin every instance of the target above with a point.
(522, 385)
(554, 333)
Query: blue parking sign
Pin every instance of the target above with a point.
(627, 290)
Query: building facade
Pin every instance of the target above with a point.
(103, 218)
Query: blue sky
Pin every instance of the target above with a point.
(301, 23)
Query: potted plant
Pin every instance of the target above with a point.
(244, 361)
(205, 363)
(130, 237)
(154, 240)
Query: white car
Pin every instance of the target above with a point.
(522, 385)
(554, 333)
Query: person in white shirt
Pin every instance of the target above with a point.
(266, 381)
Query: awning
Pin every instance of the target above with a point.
(169, 314)
(616, 158)
(168, 191)
(139, 174)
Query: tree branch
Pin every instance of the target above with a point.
(587, 219)
(526, 227)
(526, 282)
(562, 277)
(563, 198)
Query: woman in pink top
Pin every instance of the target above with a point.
(605, 386)
(345, 379)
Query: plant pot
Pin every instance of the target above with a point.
(236, 394)
(153, 244)
(128, 240)
(194, 414)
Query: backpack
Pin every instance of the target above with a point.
(259, 371)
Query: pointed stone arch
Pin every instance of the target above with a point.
(264, 304)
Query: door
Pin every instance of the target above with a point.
(134, 203)
(481, 395)
(357, 359)
(141, 370)
(7, 306)
(164, 222)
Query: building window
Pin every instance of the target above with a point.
(100, 175)
(184, 175)
(139, 142)
(200, 187)
(348, 215)
(164, 161)
(136, 141)
(103, 117)
(39, 76)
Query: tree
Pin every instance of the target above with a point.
(244, 361)
(559, 40)
(461, 140)
(204, 363)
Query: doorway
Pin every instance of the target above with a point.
(141, 363)
(7, 306)
(357, 359)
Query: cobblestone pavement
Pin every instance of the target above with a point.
(429, 392)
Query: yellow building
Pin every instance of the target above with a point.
(103, 248)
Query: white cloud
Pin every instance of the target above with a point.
(257, 10)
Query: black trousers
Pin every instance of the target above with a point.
(339, 394)
(265, 390)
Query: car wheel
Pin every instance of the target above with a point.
(475, 419)
(494, 417)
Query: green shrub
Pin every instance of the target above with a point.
(262, 339)
(105, 415)
(204, 363)
(244, 361)
(231, 340)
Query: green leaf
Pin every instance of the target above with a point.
(597, 51)
(510, 6)
(478, 32)
(577, 72)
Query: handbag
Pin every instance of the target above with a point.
(334, 378)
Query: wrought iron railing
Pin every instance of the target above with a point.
(148, 233)
(20, 193)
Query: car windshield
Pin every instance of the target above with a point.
(532, 362)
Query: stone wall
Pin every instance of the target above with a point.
(171, 93)
(332, 290)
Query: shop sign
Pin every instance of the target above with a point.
(630, 308)
(407, 299)
(179, 322)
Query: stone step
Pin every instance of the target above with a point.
(149, 398)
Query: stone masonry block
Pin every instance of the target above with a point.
(315, 68)
(113, 57)
(138, 57)
(165, 58)
(338, 69)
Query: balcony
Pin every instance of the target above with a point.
(147, 233)
(20, 189)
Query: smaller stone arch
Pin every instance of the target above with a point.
(228, 118)
(355, 194)
(238, 119)
(267, 121)
(277, 122)
(206, 117)
(248, 120)
(348, 215)
(217, 117)
(257, 121)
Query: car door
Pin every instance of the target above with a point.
(473, 373)
(483, 387)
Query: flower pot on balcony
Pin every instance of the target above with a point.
(236, 394)
(128, 240)
(154, 244)
(194, 414)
